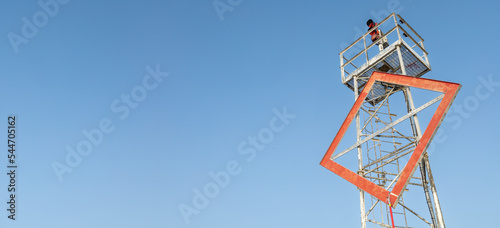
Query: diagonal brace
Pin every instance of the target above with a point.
(412, 113)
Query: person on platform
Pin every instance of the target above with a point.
(376, 34)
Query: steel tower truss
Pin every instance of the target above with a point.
(390, 143)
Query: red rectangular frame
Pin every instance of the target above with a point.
(450, 91)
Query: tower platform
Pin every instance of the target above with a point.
(404, 55)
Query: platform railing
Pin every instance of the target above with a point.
(398, 30)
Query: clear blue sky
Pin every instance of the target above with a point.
(83, 64)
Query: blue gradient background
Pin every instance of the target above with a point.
(226, 77)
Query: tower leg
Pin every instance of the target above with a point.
(417, 133)
(439, 213)
(425, 185)
(425, 170)
(360, 158)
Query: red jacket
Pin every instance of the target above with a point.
(375, 33)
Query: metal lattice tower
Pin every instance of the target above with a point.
(382, 147)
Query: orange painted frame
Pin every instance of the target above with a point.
(450, 91)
